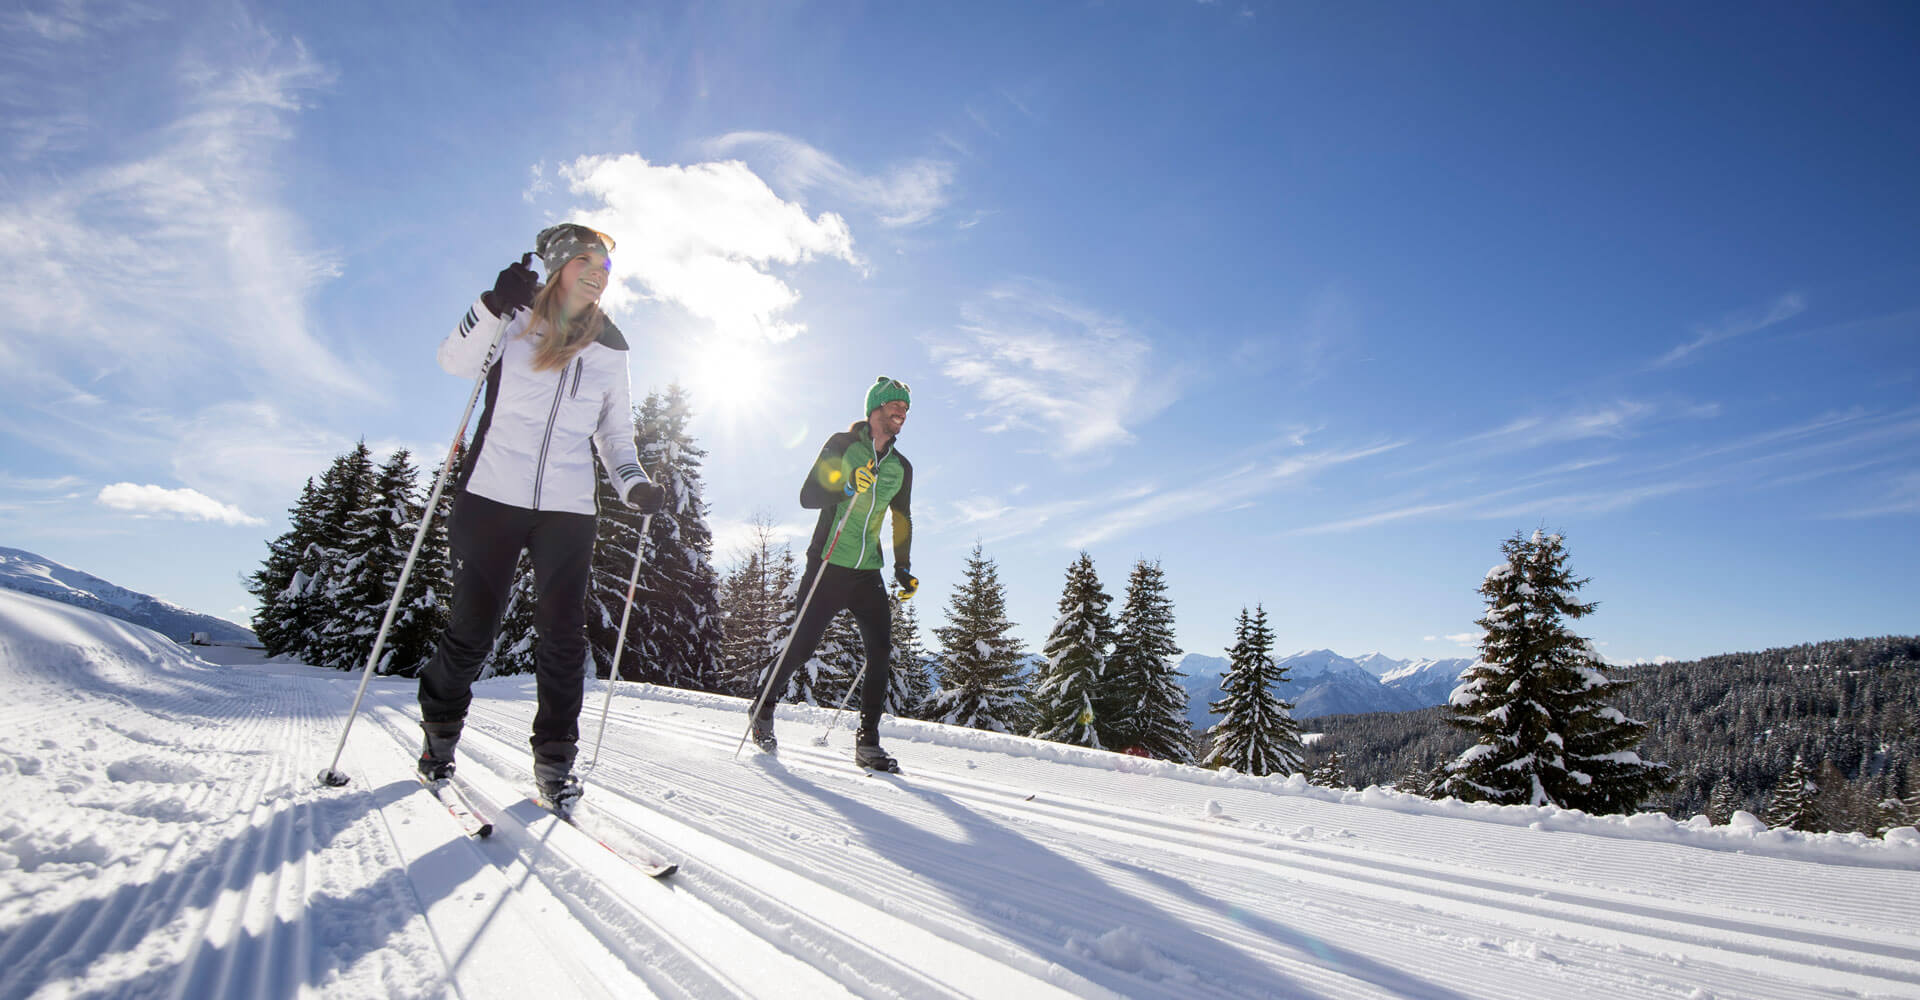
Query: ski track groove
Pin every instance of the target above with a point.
(858, 967)
(1621, 913)
(218, 897)
(700, 891)
(225, 874)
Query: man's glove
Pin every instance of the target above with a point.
(647, 498)
(862, 480)
(513, 289)
(909, 584)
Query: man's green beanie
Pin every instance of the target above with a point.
(885, 390)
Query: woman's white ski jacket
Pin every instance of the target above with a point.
(539, 430)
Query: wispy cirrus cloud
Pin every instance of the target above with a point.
(159, 501)
(170, 242)
(1042, 363)
(905, 195)
(1739, 324)
(706, 237)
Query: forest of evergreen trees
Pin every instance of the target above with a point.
(1821, 736)
(1730, 727)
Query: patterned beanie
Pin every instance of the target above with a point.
(558, 244)
(885, 390)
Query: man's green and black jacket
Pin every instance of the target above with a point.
(825, 490)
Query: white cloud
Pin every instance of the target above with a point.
(1041, 363)
(1739, 324)
(1463, 638)
(192, 505)
(178, 254)
(906, 195)
(705, 237)
(1212, 493)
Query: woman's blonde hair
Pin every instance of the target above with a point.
(555, 351)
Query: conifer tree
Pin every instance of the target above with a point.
(911, 686)
(1722, 803)
(376, 540)
(515, 644)
(1142, 704)
(751, 600)
(1537, 700)
(980, 683)
(1076, 650)
(828, 674)
(426, 605)
(674, 633)
(1330, 772)
(1257, 733)
(314, 597)
(1793, 801)
(272, 583)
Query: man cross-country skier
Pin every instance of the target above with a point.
(859, 476)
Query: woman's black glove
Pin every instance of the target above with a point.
(513, 289)
(647, 498)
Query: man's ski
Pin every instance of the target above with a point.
(458, 804)
(652, 867)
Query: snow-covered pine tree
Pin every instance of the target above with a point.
(1794, 798)
(313, 598)
(1076, 650)
(513, 647)
(1257, 733)
(377, 538)
(674, 636)
(1330, 772)
(980, 682)
(426, 604)
(272, 583)
(1890, 814)
(1142, 705)
(1722, 803)
(1537, 700)
(751, 599)
(911, 686)
(828, 674)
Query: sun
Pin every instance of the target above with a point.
(730, 383)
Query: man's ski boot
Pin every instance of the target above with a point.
(436, 754)
(559, 795)
(867, 753)
(762, 735)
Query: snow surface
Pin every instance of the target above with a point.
(162, 834)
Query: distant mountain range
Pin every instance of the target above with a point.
(33, 574)
(1322, 682)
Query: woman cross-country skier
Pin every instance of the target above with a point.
(859, 476)
(555, 393)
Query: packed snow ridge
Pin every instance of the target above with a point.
(162, 833)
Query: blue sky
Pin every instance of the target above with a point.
(1313, 303)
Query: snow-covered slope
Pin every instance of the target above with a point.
(1427, 682)
(162, 834)
(34, 574)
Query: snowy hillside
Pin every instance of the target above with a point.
(162, 834)
(34, 574)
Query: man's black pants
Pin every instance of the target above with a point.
(861, 592)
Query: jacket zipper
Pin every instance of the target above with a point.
(553, 416)
(873, 501)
